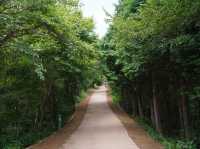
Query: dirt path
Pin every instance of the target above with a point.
(100, 128)
(98, 124)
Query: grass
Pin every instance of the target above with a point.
(81, 96)
(115, 97)
(12, 142)
(168, 143)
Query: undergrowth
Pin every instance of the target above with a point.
(25, 140)
(168, 143)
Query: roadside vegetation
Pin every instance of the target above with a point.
(48, 58)
(152, 53)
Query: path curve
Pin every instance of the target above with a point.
(100, 128)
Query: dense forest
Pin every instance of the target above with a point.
(152, 52)
(48, 57)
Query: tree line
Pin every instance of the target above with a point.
(48, 57)
(152, 54)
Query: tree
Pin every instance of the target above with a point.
(48, 56)
(152, 49)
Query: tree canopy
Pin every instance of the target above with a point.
(48, 56)
(152, 53)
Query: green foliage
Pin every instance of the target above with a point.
(152, 53)
(115, 96)
(48, 57)
(82, 96)
(169, 143)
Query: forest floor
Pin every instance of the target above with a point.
(98, 124)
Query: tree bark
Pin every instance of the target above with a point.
(141, 113)
(156, 106)
(184, 110)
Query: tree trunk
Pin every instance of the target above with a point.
(152, 114)
(48, 104)
(141, 113)
(156, 106)
(135, 102)
(184, 110)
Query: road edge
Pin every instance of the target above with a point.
(58, 138)
(138, 135)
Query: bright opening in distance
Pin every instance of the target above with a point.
(95, 9)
